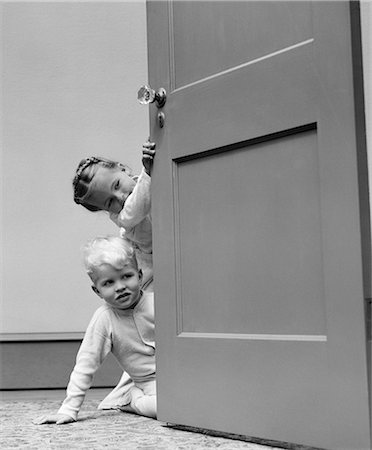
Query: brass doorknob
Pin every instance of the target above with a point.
(147, 95)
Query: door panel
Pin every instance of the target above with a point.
(264, 87)
(257, 215)
(260, 308)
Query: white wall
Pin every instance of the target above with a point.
(70, 77)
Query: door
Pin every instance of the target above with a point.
(260, 306)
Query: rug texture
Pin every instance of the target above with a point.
(99, 430)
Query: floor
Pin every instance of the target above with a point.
(95, 429)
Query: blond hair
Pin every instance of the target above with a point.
(112, 250)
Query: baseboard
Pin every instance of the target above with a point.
(45, 364)
(33, 337)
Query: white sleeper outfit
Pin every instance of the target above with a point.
(129, 335)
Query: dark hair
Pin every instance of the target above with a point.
(84, 174)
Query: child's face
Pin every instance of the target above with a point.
(119, 288)
(109, 189)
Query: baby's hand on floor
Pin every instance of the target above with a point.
(148, 153)
(58, 419)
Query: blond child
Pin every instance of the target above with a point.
(124, 326)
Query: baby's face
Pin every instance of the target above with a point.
(120, 288)
(109, 189)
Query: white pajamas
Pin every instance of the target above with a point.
(135, 221)
(129, 335)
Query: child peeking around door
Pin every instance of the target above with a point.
(123, 325)
(104, 185)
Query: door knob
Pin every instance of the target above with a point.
(147, 95)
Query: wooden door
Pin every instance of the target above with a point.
(260, 321)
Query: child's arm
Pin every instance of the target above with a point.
(93, 350)
(138, 204)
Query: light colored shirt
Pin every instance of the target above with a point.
(128, 334)
(136, 224)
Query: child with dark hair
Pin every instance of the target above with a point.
(104, 185)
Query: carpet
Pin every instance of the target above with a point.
(99, 430)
